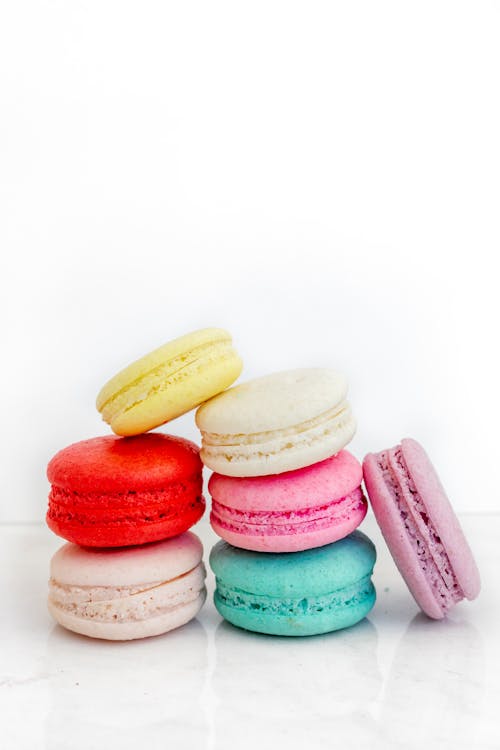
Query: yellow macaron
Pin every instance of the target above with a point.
(169, 381)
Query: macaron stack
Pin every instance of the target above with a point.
(286, 500)
(125, 502)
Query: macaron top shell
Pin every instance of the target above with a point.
(442, 516)
(126, 566)
(313, 485)
(287, 575)
(113, 464)
(169, 381)
(273, 402)
(166, 353)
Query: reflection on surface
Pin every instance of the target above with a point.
(271, 690)
(141, 693)
(434, 689)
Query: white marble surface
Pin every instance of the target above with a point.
(395, 680)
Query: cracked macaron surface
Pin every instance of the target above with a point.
(289, 512)
(276, 423)
(111, 491)
(420, 527)
(169, 381)
(297, 593)
(127, 593)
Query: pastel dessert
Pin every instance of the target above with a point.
(169, 381)
(421, 530)
(276, 423)
(292, 511)
(113, 492)
(295, 593)
(123, 594)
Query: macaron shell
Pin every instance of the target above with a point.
(297, 542)
(113, 492)
(289, 512)
(395, 535)
(195, 385)
(171, 351)
(93, 529)
(424, 535)
(112, 464)
(332, 478)
(442, 516)
(127, 631)
(295, 594)
(122, 594)
(314, 571)
(282, 451)
(302, 625)
(273, 402)
(170, 381)
(162, 561)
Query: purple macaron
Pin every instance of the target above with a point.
(421, 530)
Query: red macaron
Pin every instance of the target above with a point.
(115, 492)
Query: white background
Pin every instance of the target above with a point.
(323, 179)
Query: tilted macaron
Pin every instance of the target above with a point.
(276, 423)
(169, 381)
(112, 492)
(292, 511)
(295, 593)
(122, 594)
(421, 530)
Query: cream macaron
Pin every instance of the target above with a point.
(126, 593)
(169, 381)
(276, 423)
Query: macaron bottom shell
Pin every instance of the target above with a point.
(304, 536)
(125, 532)
(280, 451)
(128, 631)
(300, 617)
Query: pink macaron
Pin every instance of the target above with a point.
(421, 530)
(289, 512)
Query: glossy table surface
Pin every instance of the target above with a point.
(395, 680)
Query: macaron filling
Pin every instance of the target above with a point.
(164, 376)
(350, 596)
(128, 603)
(423, 537)
(282, 522)
(232, 447)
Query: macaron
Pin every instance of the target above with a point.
(421, 530)
(123, 594)
(169, 381)
(276, 423)
(295, 593)
(292, 511)
(113, 492)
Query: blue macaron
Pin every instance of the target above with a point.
(295, 593)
